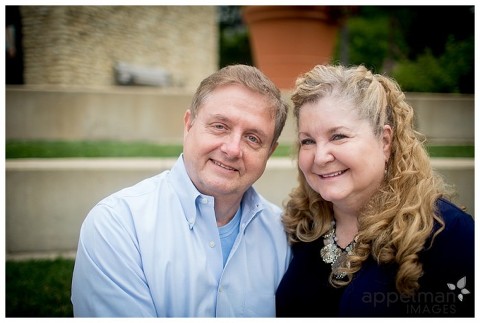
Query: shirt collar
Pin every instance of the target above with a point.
(189, 195)
(251, 205)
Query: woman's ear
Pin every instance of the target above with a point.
(387, 138)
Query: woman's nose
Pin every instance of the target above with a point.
(323, 155)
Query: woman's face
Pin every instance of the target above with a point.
(339, 155)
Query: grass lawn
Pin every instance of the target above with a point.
(58, 149)
(38, 288)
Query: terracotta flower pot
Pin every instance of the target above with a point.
(289, 40)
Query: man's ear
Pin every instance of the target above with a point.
(187, 121)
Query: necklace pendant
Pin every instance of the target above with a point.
(329, 253)
(341, 260)
(332, 254)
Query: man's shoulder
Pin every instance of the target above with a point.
(144, 187)
(126, 205)
(271, 207)
(257, 199)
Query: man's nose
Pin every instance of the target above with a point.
(232, 146)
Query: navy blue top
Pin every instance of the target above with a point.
(446, 287)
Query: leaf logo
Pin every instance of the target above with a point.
(460, 285)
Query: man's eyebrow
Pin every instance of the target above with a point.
(260, 132)
(221, 117)
(218, 116)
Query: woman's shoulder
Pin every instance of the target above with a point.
(305, 248)
(456, 239)
(448, 263)
(455, 219)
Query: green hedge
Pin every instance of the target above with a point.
(60, 149)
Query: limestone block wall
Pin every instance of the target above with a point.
(79, 45)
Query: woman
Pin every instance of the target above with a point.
(371, 229)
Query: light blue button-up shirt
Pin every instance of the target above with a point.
(153, 249)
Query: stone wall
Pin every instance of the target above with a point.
(80, 45)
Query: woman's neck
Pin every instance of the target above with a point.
(346, 224)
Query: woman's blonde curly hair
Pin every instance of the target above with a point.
(394, 225)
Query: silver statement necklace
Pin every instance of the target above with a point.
(333, 254)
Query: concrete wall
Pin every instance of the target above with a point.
(132, 113)
(47, 200)
(444, 118)
(80, 45)
(120, 113)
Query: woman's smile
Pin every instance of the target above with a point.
(332, 175)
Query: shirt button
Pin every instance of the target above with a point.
(204, 200)
(211, 244)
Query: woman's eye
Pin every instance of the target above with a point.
(304, 142)
(338, 137)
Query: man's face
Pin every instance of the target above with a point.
(227, 146)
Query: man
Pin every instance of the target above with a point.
(197, 240)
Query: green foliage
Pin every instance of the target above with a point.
(234, 37)
(367, 41)
(235, 48)
(38, 288)
(437, 56)
(438, 74)
(423, 75)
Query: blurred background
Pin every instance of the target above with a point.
(81, 45)
(95, 97)
(435, 56)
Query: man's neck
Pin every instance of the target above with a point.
(225, 210)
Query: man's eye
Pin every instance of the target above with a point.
(253, 139)
(219, 126)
